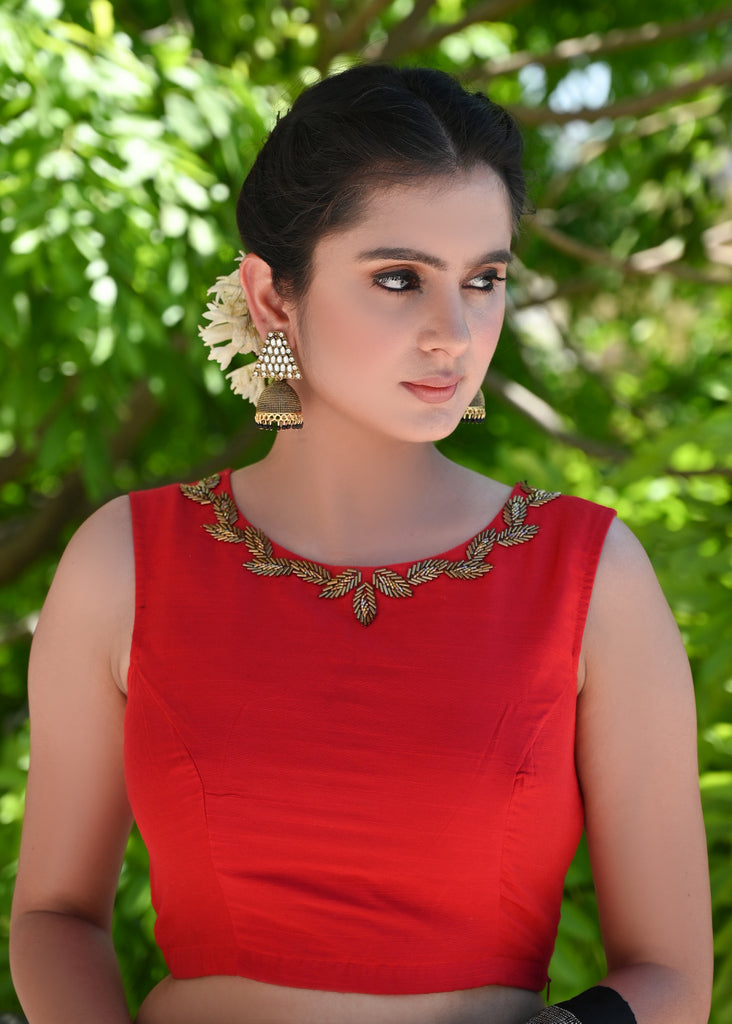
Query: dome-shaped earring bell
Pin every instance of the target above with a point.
(278, 407)
(475, 413)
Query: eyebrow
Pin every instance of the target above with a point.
(417, 256)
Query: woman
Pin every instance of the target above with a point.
(362, 808)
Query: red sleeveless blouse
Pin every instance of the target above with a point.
(357, 780)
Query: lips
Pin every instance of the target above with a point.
(436, 381)
(433, 390)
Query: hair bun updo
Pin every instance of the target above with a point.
(367, 126)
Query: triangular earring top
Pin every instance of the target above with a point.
(276, 360)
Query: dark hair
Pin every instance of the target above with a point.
(371, 125)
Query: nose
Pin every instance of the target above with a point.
(445, 327)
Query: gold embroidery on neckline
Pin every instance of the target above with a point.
(388, 582)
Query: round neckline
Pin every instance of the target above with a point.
(400, 567)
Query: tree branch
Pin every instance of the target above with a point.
(725, 471)
(589, 365)
(599, 44)
(533, 116)
(487, 10)
(543, 416)
(635, 265)
(12, 466)
(350, 37)
(320, 20)
(27, 539)
(658, 121)
(405, 35)
(567, 289)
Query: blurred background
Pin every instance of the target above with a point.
(126, 130)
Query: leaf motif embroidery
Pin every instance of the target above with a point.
(225, 532)
(468, 570)
(517, 534)
(391, 583)
(481, 544)
(311, 572)
(364, 604)
(387, 581)
(514, 511)
(201, 492)
(225, 509)
(426, 570)
(269, 566)
(258, 544)
(538, 497)
(340, 585)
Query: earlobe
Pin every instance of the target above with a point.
(267, 308)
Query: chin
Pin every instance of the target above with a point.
(430, 433)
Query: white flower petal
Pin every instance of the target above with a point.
(245, 335)
(215, 333)
(229, 321)
(225, 281)
(214, 314)
(223, 354)
(242, 383)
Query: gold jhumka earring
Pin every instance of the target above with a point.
(278, 407)
(475, 413)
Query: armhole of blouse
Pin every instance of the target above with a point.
(137, 624)
(594, 544)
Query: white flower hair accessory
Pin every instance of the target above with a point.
(231, 332)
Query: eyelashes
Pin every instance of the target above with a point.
(486, 281)
(409, 281)
(397, 281)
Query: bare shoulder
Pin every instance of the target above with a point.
(625, 579)
(99, 560)
(107, 532)
(629, 618)
(622, 554)
(77, 817)
(93, 588)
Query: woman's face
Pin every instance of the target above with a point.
(404, 308)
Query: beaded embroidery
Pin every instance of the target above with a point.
(386, 581)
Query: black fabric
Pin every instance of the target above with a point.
(600, 1005)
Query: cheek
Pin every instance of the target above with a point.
(347, 329)
(499, 319)
(331, 315)
(336, 343)
(488, 328)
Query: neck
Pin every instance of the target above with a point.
(354, 477)
(352, 490)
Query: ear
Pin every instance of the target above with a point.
(269, 311)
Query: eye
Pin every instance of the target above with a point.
(397, 281)
(484, 282)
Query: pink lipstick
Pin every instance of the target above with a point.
(433, 390)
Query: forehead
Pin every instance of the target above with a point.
(465, 210)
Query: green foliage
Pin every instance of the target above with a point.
(125, 131)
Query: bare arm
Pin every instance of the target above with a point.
(77, 817)
(636, 758)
